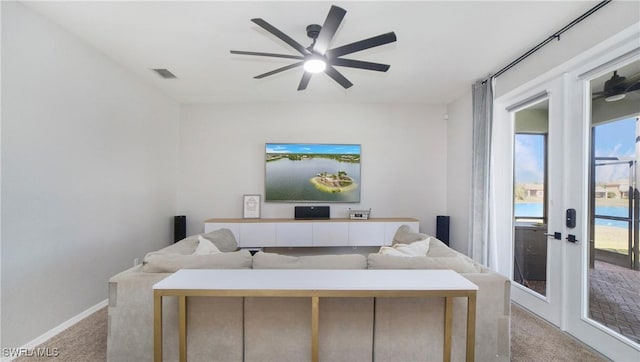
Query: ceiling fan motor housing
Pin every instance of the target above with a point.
(313, 30)
(615, 85)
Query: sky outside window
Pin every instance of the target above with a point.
(615, 139)
(529, 175)
(529, 158)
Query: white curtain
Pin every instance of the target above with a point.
(479, 248)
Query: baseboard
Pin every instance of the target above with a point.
(58, 329)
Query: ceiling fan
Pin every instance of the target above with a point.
(617, 87)
(318, 57)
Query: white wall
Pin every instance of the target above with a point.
(89, 166)
(403, 156)
(459, 152)
(1, 180)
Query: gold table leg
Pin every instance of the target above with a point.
(314, 328)
(182, 310)
(471, 327)
(157, 326)
(446, 352)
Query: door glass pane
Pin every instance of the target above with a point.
(614, 276)
(530, 197)
(613, 211)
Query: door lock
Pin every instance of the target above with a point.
(571, 218)
(572, 239)
(556, 235)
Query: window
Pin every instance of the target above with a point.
(530, 166)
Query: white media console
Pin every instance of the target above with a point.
(258, 233)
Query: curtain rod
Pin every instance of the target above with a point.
(555, 35)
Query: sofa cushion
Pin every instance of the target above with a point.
(160, 262)
(205, 247)
(185, 246)
(439, 256)
(223, 239)
(456, 263)
(439, 249)
(417, 248)
(262, 260)
(404, 235)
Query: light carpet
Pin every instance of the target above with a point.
(532, 339)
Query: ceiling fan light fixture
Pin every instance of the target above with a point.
(319, 56)
(315, 65)
(615, 97)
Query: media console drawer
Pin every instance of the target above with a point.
(301, 233)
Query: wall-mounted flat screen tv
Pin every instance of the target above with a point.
(302, 172)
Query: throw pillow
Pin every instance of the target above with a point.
(388, 250)
(438, 249)
(169, 263)
(205, 247)
(223, 239)
(417, 248)
(404, 235)
(455, 263)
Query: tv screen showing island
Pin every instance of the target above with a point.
(297, 172)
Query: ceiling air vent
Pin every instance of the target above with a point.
(165, 73)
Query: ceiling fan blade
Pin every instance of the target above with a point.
(360, 64)
(306, 77)
(338, 77)
(282, 36)
(329, 28)
(275, 71)
(361, 45)
(633, 78)
(633, 87)
(633, 83)
(242, 52)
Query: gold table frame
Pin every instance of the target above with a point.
(315, 295)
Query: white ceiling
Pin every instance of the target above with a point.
(442, 47)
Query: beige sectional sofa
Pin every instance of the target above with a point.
(278, 329)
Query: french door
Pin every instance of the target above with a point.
(602, 183)
(581, 213)
(528, 157)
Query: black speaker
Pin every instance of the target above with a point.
(442, 228)
(179, 228)
(311, 212)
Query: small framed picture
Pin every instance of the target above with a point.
(251, 206)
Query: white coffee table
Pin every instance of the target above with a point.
(314, 284)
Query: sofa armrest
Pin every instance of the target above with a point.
(215, 324)
(493, 314)
(130, 323)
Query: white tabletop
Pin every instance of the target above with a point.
(303, 279)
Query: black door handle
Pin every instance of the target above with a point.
(556, 235)
(572, 238)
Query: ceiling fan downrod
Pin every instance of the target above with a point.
(313, 31)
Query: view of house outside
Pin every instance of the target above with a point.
(613, 140)
(529, 177)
